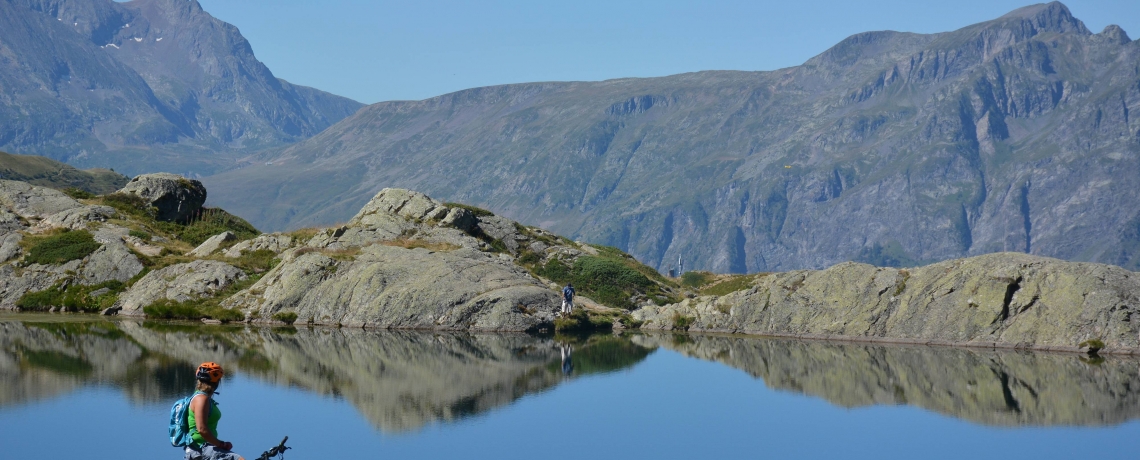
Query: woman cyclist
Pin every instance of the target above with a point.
(203, 416)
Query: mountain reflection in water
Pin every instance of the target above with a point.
(403, 381)
(398, 380)
(992, 387)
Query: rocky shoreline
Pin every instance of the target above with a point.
(1003, 300)
(406, 261)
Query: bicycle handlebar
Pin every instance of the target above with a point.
(280, 449)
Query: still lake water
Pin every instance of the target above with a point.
(83, 387)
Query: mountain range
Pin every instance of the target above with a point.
(1015, 134)
(143, 85)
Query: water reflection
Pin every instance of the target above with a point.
(404, 380)
(398, 380)
(984, 386)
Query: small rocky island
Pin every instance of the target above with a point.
(407, 261)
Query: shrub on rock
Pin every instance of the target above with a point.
(61, 248)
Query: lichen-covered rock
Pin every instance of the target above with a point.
(212, 244)
(394, 287)
(460, 218)
(143, 247)
(112, 261)
(34, 202)
(400, 202)
(179, 283)
(276, 242)
(1004, 299)
(500, 228)
(9, 221)
(78, 218)
(175, 197)
(10, 246)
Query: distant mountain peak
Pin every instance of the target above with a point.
(144, 85)
(1051, 17)
(1115, 33)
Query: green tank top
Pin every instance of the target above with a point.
(211, 422)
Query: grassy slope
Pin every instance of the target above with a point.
(45, 172)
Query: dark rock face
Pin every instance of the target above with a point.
(91, 81)
(175, 197)
(1016, 134)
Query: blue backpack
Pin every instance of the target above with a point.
(179, 424)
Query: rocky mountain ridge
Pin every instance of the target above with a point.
(1015, 134)
(143, 86)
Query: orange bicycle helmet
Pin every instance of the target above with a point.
(210, 372)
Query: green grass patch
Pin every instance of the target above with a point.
(129, 203)
(206, 307)
(728, 286)
(696, 279)
(902, 283)
(286, 317)
(682, 322)
(606, 278)
(583, 320)
(475, 210)
(255, 261)
(191, 310)
(139, 234)
(75, 297)
(212, 221)
(60, 247)
(78, 193)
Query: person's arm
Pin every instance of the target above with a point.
(201, 418)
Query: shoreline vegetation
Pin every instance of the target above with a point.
(406, 261)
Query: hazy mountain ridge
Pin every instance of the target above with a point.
(147, 84)
(1012, 134)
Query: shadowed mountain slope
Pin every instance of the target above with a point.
(143, 85)
(894, 148)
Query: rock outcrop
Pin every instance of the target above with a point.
(179, 283)
(275, 242)
(394, 287)
(995, 300)
(212, 244)
(407, 261)
(174, 197)
(33, 202)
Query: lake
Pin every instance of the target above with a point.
(87, 387)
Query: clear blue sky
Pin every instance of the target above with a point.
(375, 51)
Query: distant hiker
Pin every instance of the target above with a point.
(567, 298)
(567, 362)
(203, 417)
